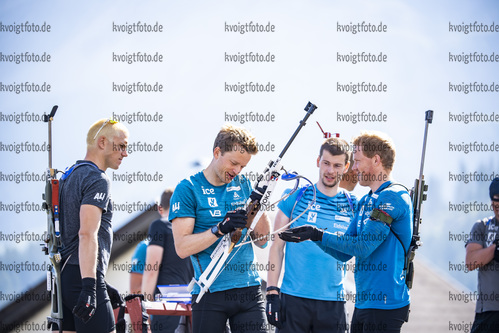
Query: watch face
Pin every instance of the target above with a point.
(214, 230)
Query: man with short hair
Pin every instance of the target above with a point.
(162, 265)
(379, 238)
(349, 179)
(312, 287)
(204, 208)
(482, 252)
(86, 231)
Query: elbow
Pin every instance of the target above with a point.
(471, 265)
(183, 255)
(181, 252)
(85, 235)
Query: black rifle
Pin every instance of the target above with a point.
(418, 195)
(52, 239)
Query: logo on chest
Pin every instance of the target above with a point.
(212, 202)
(215, 213)
(312, 217)
(208, 190)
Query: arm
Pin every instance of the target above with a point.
(276, 253)
(135, 283)
(87, 250)
(351, 231)
(477, 255)
(373, 234)
(137, 268)
(187, 243)
(262, 228)
(334, 253)
(154, 258)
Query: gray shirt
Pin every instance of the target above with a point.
(484, 232)
(86, 185)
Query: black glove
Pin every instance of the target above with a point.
(301, 234)
(496, 252)
(257, 196)
(233, 220)
(114, 296)
(87, 301)
(273, 310)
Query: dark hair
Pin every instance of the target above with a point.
(165, 198)
(336, 146)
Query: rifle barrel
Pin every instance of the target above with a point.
(310, 108)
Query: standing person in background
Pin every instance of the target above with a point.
(163, 266)
(86, 232)
(306, 306)
(137, 267)
(482, 252)
(349, 179)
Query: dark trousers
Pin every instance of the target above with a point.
(377, 321)
(103, 318)
(243, 307)
(310, 315)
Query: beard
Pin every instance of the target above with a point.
(333, 184)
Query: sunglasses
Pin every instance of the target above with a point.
(108, 121)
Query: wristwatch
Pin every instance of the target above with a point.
(216, 231)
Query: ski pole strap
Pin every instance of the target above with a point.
(379, 215)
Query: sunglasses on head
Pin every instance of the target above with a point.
(108, 121)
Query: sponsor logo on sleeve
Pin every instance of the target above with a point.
(99, 196)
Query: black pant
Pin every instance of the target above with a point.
(486, 322)
(103, 318)
(376, 320)
(244, 307)
(310, 315)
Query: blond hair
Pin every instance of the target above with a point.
(377, 143)
(109, 130)
(232, 138)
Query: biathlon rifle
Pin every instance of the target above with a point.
(256, 205)
(52, 237)
(418, 195)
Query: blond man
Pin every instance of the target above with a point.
(86, 231)
(207, 206)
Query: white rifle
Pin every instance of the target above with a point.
(257, 204)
